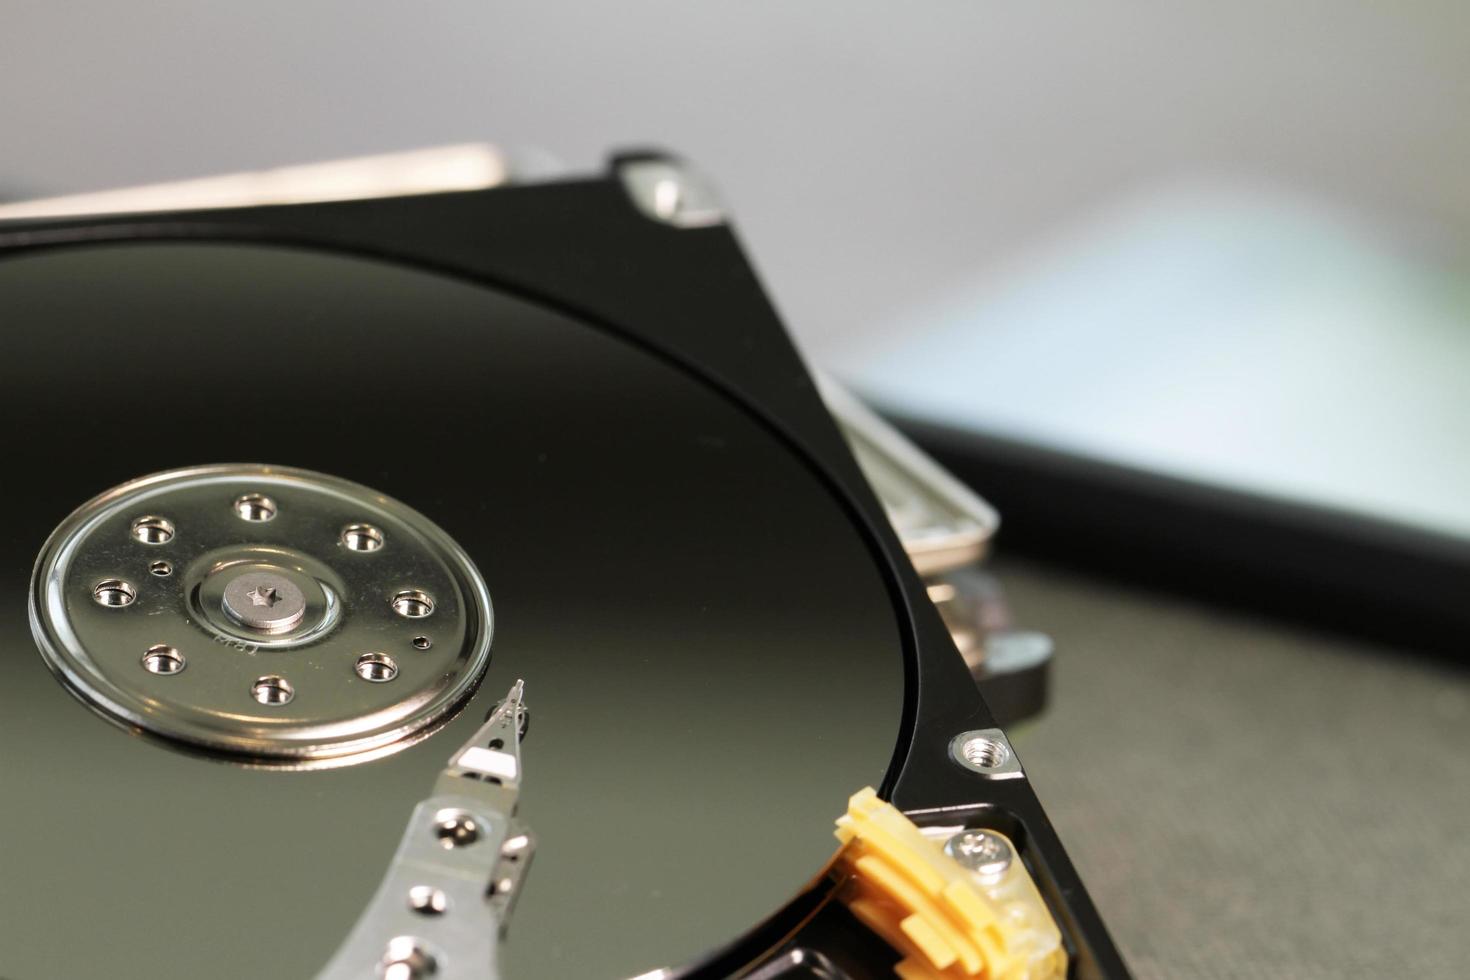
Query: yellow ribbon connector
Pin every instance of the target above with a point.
(960, 905)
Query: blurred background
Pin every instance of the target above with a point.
(1255, 214)
(1184, 289)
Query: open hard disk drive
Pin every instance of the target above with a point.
(475, 583)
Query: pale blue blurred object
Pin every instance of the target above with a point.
(1239, 338)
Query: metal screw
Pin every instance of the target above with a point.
(456, 828)
(264, 601)
(406, 958)
(982, 851)
(428, 900)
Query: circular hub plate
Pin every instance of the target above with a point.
(305, 618)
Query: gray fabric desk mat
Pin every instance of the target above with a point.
(1246, 799)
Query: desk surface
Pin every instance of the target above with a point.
(1245, 799)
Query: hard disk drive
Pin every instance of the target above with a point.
(474, 584)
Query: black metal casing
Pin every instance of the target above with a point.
(688, 296)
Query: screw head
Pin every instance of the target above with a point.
(455, 828)
(264, 601)
(427, 900)
(982, 851)
(407, 958)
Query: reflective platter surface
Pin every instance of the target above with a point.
(711, 657)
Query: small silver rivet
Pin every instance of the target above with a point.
(407, 958)
(428, 900)
(456, 828)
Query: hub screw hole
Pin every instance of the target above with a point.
(153, 530)
(114, 592)
(272, 689)
(362, 537)
(255, 507)
(376, 667)
(163, 659)
(161, 568)
(413, 604)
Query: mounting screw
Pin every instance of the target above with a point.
(982, 851)
(265, 601)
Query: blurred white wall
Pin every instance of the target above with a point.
(918, 182)
(876, 153)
